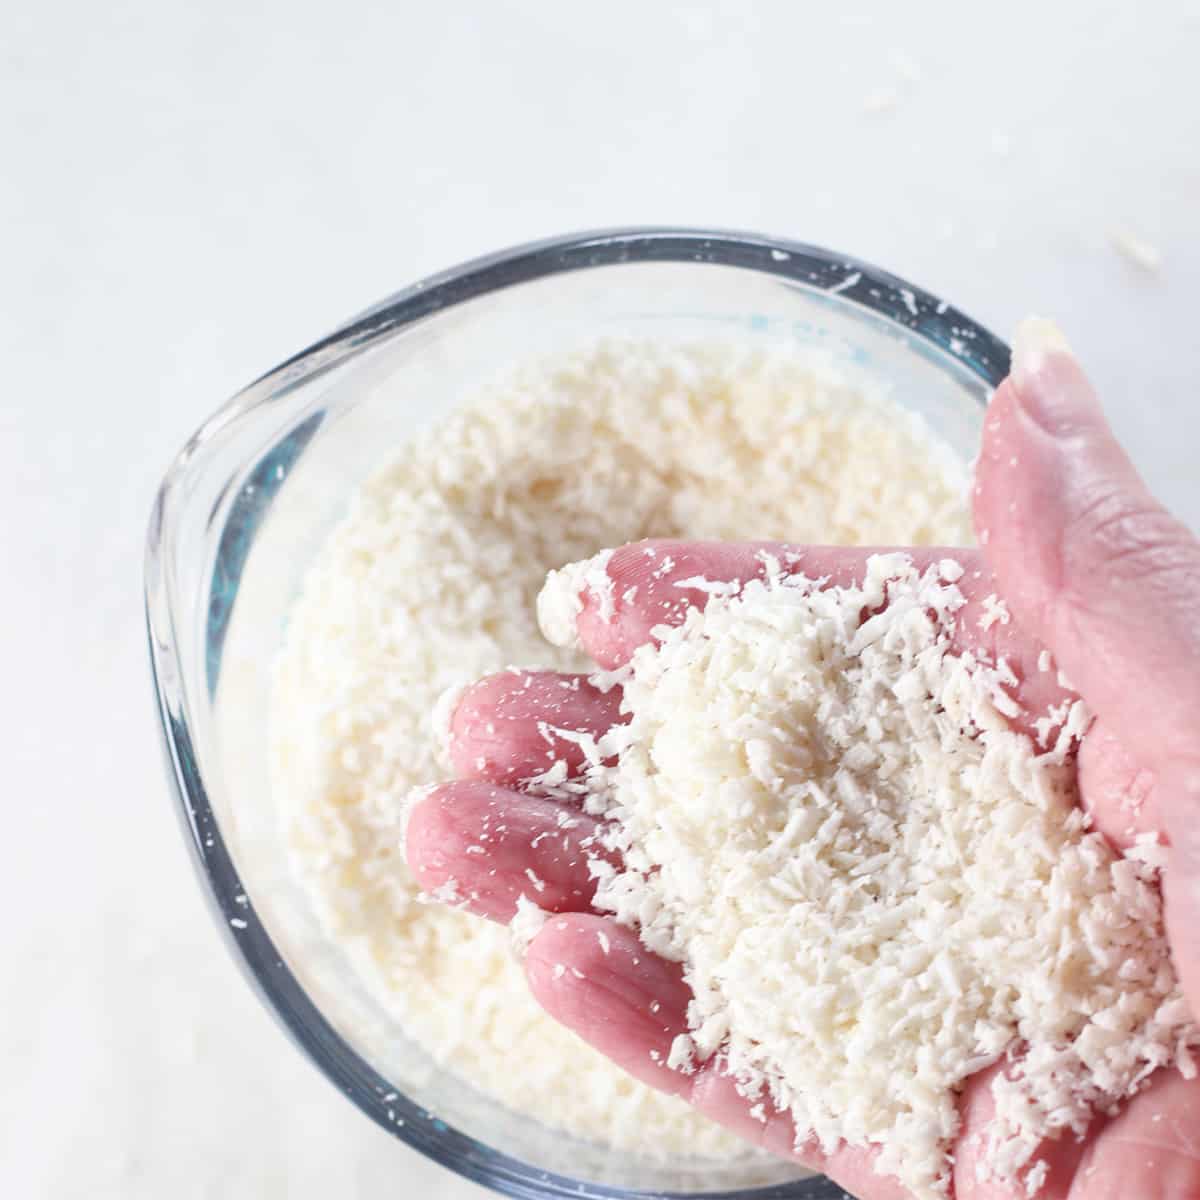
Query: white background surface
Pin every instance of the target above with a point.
(190, 192)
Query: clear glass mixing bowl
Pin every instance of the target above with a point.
(255, 492)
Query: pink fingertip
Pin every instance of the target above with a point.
(486, 846)
(595, 977)
(512, 726)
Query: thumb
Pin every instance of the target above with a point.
(1087, 559)
(1092, 565)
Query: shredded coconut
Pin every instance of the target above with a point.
(525, 925)
(994, 611)
(876, 887)
(559, 607)
(431, 579)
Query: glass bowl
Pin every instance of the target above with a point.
(255, 492)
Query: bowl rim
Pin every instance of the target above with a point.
(879, 292)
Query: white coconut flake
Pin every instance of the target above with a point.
(994, 611)
(713, 587)
(683, 1055)
(1035, 1178)
(525, 925)
(1136, 250)
(560, 601)
(446, 892)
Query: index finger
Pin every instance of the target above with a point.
(622, 596)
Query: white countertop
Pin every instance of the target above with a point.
(191, 192)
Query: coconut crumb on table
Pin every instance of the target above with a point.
(1136, 250)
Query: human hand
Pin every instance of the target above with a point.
(1089, 565)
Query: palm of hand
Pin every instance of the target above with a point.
(630, 1004)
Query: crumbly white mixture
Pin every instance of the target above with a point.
(430, 582)
(876, 886)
